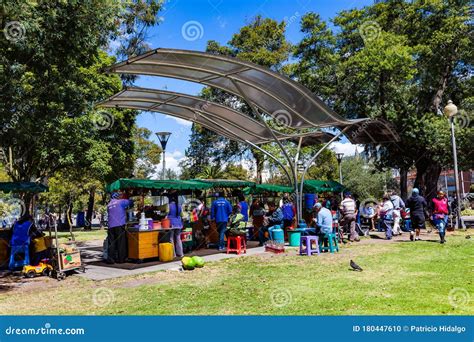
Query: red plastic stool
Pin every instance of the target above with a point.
(239, 243)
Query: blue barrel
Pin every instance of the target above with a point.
(277, 235)
(309, 200)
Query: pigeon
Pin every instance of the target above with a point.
(355, 267)
(468, 237)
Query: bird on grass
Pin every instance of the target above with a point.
(468, 237)
(355, 267)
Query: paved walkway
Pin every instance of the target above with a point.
(90, 253)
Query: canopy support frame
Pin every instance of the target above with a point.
(308, 165)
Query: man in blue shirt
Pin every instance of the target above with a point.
(220, 211)
(244, 208)
(117, 241)
(323, 219)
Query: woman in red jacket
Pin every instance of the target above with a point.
(440, 214)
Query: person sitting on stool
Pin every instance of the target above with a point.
(237, 224)
(273, 217)
(323, 220)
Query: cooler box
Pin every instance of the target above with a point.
(70, 261)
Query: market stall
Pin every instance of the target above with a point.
(147, 228)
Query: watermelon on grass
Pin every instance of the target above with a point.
(199, 262)
(188, 263)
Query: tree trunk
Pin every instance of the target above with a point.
(404, 183)
(90, 209)
(427, 175)
(259, 161)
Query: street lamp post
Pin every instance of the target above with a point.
(339, 157)
(450, 111)
(163, 137)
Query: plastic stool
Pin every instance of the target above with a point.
(239, 243)
(307, 241)
(332, 243)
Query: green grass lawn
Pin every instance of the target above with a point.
(83, 235)
(398, 278)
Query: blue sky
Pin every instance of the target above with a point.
(219, 20)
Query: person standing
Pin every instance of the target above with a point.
(176, 224)
(398, 205)
(257, 213)
(386, 214)
(220, 211)
(417, 205)
(244, 208)
(288, 210)
(116, 234)
(440, 214)
(348, 213)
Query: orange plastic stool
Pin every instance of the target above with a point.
(239, 243)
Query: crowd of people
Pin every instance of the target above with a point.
(233, 220)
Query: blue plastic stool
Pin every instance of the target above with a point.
(332, 243)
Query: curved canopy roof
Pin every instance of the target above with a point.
(273, 93)
(214, 116)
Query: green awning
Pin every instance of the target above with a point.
(152, 184)
(22, 187)
(314, 185)
(263, 188)
(226, 183)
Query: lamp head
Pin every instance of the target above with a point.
(339, 156)
(450, 110)
(163, 138)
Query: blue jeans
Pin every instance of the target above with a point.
(441, 223)
(387, 226)
(221, 228)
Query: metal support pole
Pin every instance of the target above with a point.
(268, 154)
(340, 178)
(297, 157)
(257, 113)
(309, 164)
(164, 165)
(459, 222)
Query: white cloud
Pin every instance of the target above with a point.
(180, 121)
(347, 148)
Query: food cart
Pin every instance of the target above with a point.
(144, 238)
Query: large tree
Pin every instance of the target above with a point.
(52, 57)
(400, 61)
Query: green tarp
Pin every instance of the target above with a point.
(226, 183)
(263, 188)
(22, 187)
(314, 185)
(152, 184)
